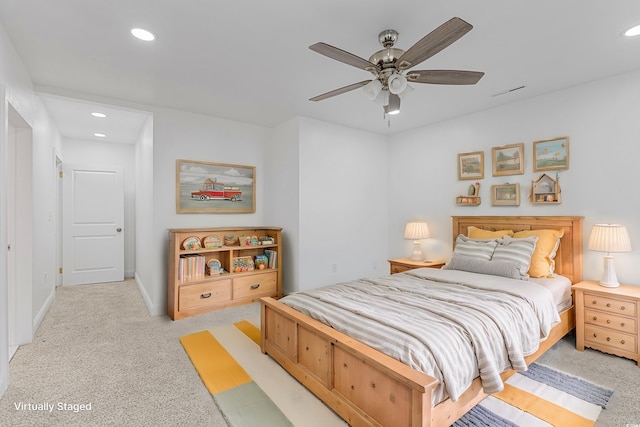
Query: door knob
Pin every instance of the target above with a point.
(118, 229)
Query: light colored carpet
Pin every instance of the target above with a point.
(98, 345)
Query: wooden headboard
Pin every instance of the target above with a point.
(569, 256)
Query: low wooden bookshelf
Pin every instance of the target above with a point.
(225, 274)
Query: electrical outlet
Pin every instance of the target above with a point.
(334, 268)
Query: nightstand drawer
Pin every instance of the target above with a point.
(602, 318)
(609, 338)
(628, 308)
(395, 268)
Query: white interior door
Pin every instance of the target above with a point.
(93, 219)
(11, 238)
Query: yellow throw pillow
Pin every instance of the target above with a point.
(542, 262)
(479, 233)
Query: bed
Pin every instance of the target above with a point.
(365, 386)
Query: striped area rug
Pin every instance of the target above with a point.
(251, 389)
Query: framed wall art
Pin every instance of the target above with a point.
(508, 160)
(551, 154)
(471, 165)
(204, 187)
(505, 195)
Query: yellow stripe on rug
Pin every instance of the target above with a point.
(249, 330)
(223, 375)
(541, 408)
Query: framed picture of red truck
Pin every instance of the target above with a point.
(204, 187)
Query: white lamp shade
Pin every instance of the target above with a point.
(372, 89)
(609, 238)
(416, 230)
(397, 83)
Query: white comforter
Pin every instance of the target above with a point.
(452, 325)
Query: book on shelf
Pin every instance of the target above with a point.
(272, 258)
(191, 267)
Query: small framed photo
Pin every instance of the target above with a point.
(505, 195)
(551, 154)
(471, 165)
(508, 160)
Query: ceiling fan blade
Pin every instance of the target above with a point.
(434, 42)
(342, 56)
(339, 91)
(445, 77)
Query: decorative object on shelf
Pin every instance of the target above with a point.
(261, 262)
(230, 240)
(471, 165)
(551, 154)
(213, 267)
(416, 230)
(545, 190)
(609, 238)
(242, 264)
(505, 195)
(248, 240)
(191, 243)
(267, 241)
(212, 242)
(472, 198)
(204, 187)
(508, 160)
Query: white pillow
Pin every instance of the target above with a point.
(516, 251)
(496, 268)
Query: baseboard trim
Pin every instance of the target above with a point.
(43, 311)
(153, 309)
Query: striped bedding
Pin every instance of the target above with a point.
(453, 325)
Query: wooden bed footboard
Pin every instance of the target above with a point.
(364, 386)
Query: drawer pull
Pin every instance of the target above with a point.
(608, 339)
(595, 318)
(595, 335)
(622, 325)
(595, 302)
(207, 295)
(622, 342)
(608, 304)
(608, 321)
(622, 308)
(256, 286)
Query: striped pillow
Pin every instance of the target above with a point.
(516, 250)
(480, 249)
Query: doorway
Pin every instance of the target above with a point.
(19, 234)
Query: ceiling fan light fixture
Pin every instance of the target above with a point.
(372, 89)
(633, 31)
(397, 83)
(393, 107)
(405, 92)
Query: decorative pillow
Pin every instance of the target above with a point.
(482, 266)
(517, 251)
(479, 233)
(479, 249)
(542, 263)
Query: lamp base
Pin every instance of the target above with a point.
(609, 279)
(417, 254)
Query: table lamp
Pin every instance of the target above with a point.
(609, 238)
(416, 230)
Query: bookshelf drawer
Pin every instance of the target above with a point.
(258, 284)
(204, 294)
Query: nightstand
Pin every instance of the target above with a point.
(607, 319)
(399, 265)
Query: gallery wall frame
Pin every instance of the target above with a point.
(505, 195)
(508, 159)
(551, 154)
(471, 165)
(208, 187)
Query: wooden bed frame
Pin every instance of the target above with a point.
(368, 388)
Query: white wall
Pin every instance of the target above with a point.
(601, 120)
(343, 215)
(101, 153)
(145, 270)
(16, 89)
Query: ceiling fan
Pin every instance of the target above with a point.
(391, 66)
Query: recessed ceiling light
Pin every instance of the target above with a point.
(97, 114)
(100, 135)
(633, 31)
(143, 34)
